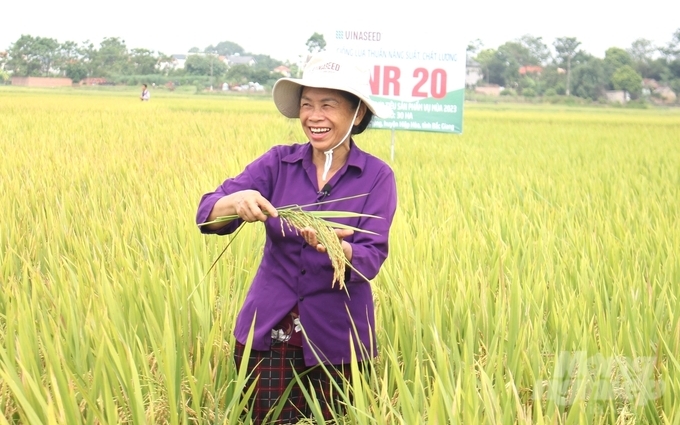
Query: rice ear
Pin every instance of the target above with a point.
(296, 218)
(300, 219)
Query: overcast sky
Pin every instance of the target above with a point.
(281, 28)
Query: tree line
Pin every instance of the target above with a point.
(112, 60)
(568, 71)
(573, 71)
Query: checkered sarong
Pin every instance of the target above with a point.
(273, 371)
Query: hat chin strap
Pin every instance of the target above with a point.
(329, 152)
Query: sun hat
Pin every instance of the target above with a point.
(329, 71)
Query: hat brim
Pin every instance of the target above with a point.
(286, 93)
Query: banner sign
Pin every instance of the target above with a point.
(422, 78)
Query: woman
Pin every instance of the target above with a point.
(300, 319)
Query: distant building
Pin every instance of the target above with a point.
(650, 83)
(92, 81)
(178, 61)
(240, 60)
(489, 90)
(473, 73)
(530, 69)
(41, 82)
(666, 94)
(619, 96)
(283, 70)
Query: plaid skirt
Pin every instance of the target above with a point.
(273, 371)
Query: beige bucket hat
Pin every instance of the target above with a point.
(328, 71)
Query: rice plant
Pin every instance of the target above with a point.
(532, 274)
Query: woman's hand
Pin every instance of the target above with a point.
(309, 235)
(251, 206)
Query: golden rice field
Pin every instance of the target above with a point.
(533, 276)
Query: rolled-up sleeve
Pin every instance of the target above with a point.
(370, 251)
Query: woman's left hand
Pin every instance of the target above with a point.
(309, 236)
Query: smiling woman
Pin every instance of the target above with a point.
(327, 118)
(301, 325)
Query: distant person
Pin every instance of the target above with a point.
(145, 96)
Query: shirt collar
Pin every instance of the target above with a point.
(356, 157)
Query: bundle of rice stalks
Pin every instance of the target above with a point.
(297, 219)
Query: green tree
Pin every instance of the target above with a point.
(659, 70)
(30, 56)
(238, 74)
(474, 47)
(67, 53)
(501, 66)
(265, 62)
(112, 58)
(589, 79)
(493, 66)
(76, 71)
(538, 52)
(627, 79)
(3, 59)
(264, 77)
(615, 58)
(672, 50)
(641, 52)
(674, 68)
(143, 62)
(566, 51)
(208, 65)
(165, 63)
(551, 80)
(194, 50)
(316, 43)
(675, 86)
(510, 56)
(88, 55)
(517, 54)
(225, 48)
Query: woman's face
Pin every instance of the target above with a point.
(326, 116)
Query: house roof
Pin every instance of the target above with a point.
(530, 69)
(237, 59)
(650, 83)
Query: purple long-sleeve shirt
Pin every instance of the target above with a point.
(293, 272)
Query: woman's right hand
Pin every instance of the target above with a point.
(251, 206)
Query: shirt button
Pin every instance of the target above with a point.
(302, 298)
(303, 271)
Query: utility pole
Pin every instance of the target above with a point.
(568, 73)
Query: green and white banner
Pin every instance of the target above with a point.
(420, 75)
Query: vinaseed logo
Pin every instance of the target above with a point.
(358, 35)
